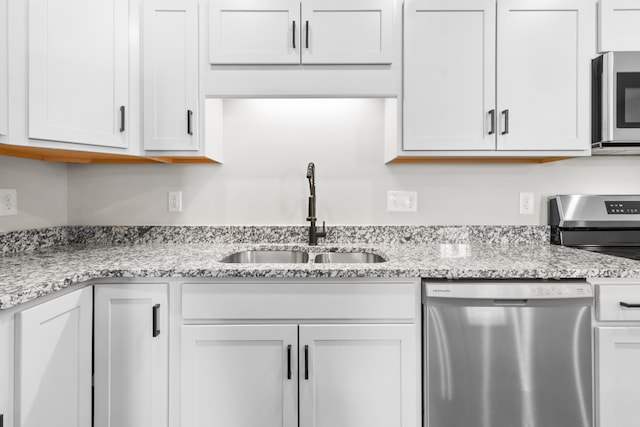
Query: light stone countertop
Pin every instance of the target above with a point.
(28, 275)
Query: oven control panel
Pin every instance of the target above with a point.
(627, 207)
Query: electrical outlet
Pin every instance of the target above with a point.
(8, 201)
(175, 201)
(402, 201)
(527, 203)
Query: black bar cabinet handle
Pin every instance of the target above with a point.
(505, 113)
(189, 115)
(306, 362)
(306, 34)
(156, 320)
(289, 362)
(492, 114)
(122, 118)
(629, 305)
(294, 34)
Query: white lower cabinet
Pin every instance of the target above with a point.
(259, 353)
(617, 352)
(239, 375)
(618, 376)
(357, 375)
(53, 362)
(131, 355)
(347, 375)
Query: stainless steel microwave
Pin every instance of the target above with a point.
(615, 103)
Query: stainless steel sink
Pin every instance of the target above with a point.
(267, 256)
(348, 258)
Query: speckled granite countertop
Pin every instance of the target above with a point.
(28, 275)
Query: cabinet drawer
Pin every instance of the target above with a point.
(609, 299)
(300, 300)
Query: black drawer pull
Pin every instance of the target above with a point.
(294, 34)
(505, 113)
(306, 31)
(492, 114)
(289, 362)
(306, 362)
(122, 118)
(189, 115)
(156, 320)
(629, 305)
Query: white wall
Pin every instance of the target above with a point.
(268, 144)
(42, 193)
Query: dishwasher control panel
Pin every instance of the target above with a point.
(507, 289)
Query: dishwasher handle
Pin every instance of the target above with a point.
(510, 302)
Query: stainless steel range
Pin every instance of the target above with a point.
(605, 224)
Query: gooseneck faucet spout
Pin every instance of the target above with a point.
(314, 234)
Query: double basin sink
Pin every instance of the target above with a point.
(300, 257)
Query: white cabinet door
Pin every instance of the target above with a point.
(78, 71)
(171, 75)
(618, 376)
(347, 31)
(239, 376)
(544, 63)
(53, 362)
(4, 67)
(131, 355)
(618, 22)
(254, 32)
(358, 376)
(449, 85)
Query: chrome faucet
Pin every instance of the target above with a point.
(313, 229)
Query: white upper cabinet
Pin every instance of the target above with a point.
(449, 85)
(78, 71)
(347, 31)
(544, 79)
(53, 362)
(619, 22)
(4, 67)
(294, 32)
(170, 76)
(481, 85)
(254, 32)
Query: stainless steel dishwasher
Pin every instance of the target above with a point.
(507, 353)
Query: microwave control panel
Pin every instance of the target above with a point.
(623, 207)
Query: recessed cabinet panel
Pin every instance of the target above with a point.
(347, 31)
(358, 376)
(78, 71)
(171, 75)
(619, 21)
(4, 66)
(544, 80)
(53, 362)
(254, 32)
(617, 373)
(449, 87)
(239, 376)
(131, 367)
